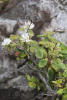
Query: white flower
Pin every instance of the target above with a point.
(28, 40)
(29, 25)
(25, 37)
(6, 42)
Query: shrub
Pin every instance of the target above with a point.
(46, 56)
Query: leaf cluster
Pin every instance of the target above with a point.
(48, 55)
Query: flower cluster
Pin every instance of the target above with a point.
(25, 35)
(6, 41)
(29, 25)
(24, 31)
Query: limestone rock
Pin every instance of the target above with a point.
(46, 15)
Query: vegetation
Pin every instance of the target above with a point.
(4, 1)
(45, 57)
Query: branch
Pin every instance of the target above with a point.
(49, 89)
(44, 80)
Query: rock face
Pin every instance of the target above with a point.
(46, 15)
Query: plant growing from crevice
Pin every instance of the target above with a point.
(45, 57)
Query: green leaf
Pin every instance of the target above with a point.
(18, 58)
(38, 88)
(28, 77)
(9, 48)
(58, 83)
(29, 62)
(31, 33)
(63, 47)
(60, 91)
(39, 53)
(61, 66)
(32, 49)
(32, 85)
(33, 79)
(54, 65)
(43, 63)
(64, 52)
(65, 90)
(65, 73)
(58, 64)
(22, 54)
(64, 97)
(44, 52)
(51, 73)
(42, 43)
(14, 37)
(34, 44)
(41, 35)
(22, 29)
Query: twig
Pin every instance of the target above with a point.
(43, 79)
(49, 89)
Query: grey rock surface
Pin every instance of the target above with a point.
(46, 15)
(13, 76)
